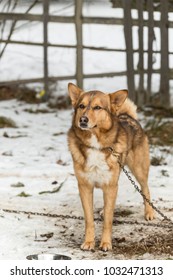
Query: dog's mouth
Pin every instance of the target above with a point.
(83, 125)
(86, 126)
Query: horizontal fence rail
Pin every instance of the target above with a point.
(71, 19)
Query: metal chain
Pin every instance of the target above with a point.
(61, 216)
(42, 214)
(137, 187)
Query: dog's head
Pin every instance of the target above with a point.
(93, 109)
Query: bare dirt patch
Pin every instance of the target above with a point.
(131, 239)
(20, 93)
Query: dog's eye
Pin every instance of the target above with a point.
(97, 108)
(81, 106)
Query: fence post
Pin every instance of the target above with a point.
(151, 37)
(164, 81)
(79, 39)
(129, 48)
(45, 47)
(141, 91)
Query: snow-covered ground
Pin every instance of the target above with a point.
(35, 153)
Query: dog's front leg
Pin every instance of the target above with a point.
(109, 194)
(86, 194)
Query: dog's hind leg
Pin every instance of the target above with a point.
(139, 163)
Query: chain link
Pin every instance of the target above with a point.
(137, 187)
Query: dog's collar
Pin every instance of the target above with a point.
(110, 150)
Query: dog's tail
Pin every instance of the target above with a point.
(129, 108)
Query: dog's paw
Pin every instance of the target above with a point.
(105, 246)
(149, 215)
(88, 246)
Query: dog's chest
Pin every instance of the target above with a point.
(97, 169)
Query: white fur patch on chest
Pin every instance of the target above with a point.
(94, 142)
(97, 169)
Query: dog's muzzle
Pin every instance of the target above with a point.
(83, 122)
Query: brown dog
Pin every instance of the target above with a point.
(102, 121)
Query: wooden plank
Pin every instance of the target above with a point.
(79, 39)
(71, 19)
(36, 80)
(164, 73)
(120, 21)
(129, 47)
(37, 44)
(61, 78)
(72, 77)
(141, 91)
(74, 46)
(45, 48)
(102, 75)
(150, 47)
(114, 74)
(35, 17)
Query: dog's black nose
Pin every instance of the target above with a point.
(84, 121)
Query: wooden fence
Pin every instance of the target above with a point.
(140, 93)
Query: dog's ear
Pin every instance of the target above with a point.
(117, 98)
(74, 93)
